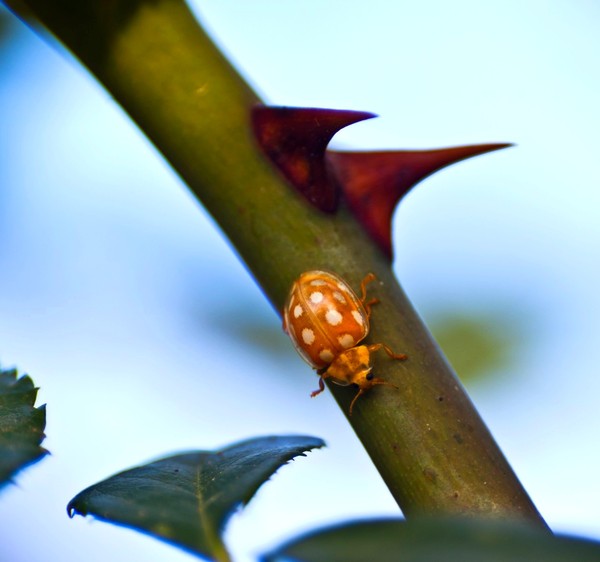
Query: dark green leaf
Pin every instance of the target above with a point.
(186, 499)
(426, 540)
(21, 425)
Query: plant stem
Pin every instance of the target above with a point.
(426, 439)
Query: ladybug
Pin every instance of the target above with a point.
(326, 320)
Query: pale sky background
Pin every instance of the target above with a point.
(146, 335)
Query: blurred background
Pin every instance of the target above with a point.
(122, 300)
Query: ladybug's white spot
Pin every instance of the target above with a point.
(326, 355)
(346, 341)
(318, 282)
(308, 336)
(316, 297)
(298, 311)
(333, 317)
(339, 297)
(358, 317)
(344, 288)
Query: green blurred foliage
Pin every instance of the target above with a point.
(477, 344)
(431, 539)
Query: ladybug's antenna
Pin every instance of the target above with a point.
(360, 391)
(363, 389)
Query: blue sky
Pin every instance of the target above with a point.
(118, 292)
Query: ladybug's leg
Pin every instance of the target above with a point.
(368, 306)
(321, 387)
(378, 346)
(369, 278)
(325, 373)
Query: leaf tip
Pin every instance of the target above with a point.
(73, 508)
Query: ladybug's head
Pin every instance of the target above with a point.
(365, 380)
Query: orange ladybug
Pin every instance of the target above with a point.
(326, 320)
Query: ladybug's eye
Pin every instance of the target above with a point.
(369, 377)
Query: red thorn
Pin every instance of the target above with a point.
(295, 139)
(373, 183)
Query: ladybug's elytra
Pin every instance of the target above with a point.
(325, 320)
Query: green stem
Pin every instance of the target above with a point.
(427, 440)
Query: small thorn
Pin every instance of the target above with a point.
(295, 139)
(373, 183)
